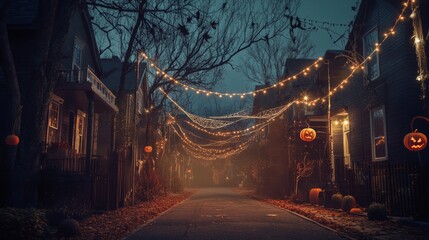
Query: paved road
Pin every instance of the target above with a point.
(220, 213)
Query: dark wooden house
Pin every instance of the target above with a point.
(133, 127)
(373, 113)
(78, 135)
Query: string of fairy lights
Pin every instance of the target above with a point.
(226, 148)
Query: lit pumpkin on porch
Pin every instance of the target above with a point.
(12, 140)
(415, 141)
(148, 149)
(307, 134)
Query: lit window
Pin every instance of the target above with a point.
(370, 40)
(54, 110)
(53, 122)
(378, 134)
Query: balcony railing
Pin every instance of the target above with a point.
(86, 75)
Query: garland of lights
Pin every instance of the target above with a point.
(216, 124)
(199, 152)
(305, 71)
(203, 153)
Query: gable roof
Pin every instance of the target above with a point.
(112, 68)
(90, 31)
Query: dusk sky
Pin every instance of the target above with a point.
(332, 11)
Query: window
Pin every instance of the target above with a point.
(378, 134)
(370, 40)
(346, 143)
(54, 110)
(52, 135)
(129, 110)
(139, 99)
(77, 61)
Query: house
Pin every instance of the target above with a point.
(133, 127)
(77, 137)
(280, 149)
(305, 159)
(373, 113)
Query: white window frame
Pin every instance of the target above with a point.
(51, 113)
(375, 57)
(346, 143)
(373, 138)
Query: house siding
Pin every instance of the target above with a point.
(397, 90)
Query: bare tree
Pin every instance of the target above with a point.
(190, 40)
(265, 61)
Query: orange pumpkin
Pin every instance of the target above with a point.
(12, 140)
(314, 195)
(148, 149)
(356, 210)
(307, 134)
(415, 141)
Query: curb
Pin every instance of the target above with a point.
(317, 223)
(129, 234)
(306, 218)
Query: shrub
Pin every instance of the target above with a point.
(348, 203)
(23, 223)
(56, 215)
(314, 195)
(296, 198)
(377, 211)
(336, 200)
(69, 228)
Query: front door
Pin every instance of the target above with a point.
(80, 132)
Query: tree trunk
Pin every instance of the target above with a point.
(36, 93)
(121, 99)
(13, 101)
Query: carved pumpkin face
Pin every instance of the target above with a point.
(307, 134)
(148, 149)
(415, 141)
(12, 140)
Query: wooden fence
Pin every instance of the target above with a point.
(107, 185)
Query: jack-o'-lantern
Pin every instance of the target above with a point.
(307, 134)
(415, 141)
(12, 140)
(148, 149)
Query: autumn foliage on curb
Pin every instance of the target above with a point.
(353, 225)
(116, 224)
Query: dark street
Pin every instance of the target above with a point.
(221, 213)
